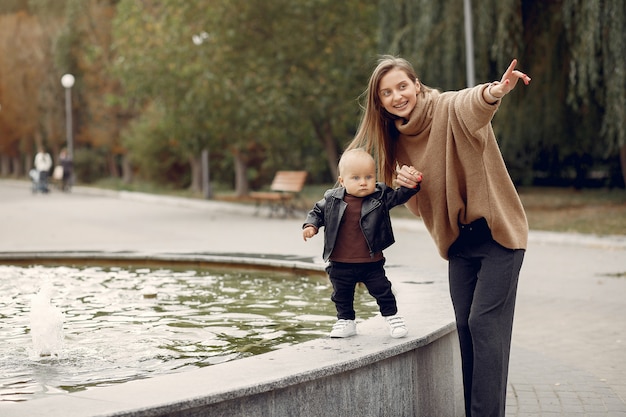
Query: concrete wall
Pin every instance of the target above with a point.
(424, 381)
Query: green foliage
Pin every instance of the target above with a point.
(47, 8)
(614, 75)
(572, 118)
(430, 35)
(230, 74)
(272, 84)
(156, 155)
(89, 165)
(12, 6)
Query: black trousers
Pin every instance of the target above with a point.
(483, 278)
(345, 276)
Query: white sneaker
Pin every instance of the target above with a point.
(397, 327)
(343, 328)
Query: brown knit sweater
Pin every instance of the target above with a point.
(450, 139)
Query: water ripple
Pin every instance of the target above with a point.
(122, 324)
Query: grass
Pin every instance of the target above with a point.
(589, 211)
(595, 211)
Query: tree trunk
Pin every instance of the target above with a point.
(325, 135)
(29, 162)
(5, 165)
(241, 177)
(113, 169)
(18, 169)
(127, 170)
(332, 155)
(622, 161)
(196, 173)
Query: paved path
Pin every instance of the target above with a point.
(569, 340)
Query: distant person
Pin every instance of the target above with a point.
(43, 163)
(469, 206)
(357, 228)
(67, 165)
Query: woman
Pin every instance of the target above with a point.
(467, 202)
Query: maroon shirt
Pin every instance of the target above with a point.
(351, 246)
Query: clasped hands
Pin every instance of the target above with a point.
(408, 176)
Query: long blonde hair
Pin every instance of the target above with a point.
(377, 132)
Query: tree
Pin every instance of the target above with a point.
(159, 65)
(85, 49)
(81, 47)
(271, 84)
(326, 72)
(597, 69)
(248, 85)
(20, 77)
(573, 50)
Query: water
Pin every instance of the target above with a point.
(46, 323)
(121, 324)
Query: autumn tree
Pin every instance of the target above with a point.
(21, 39)
(271, 84)
(84, 48)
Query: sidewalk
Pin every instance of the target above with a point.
(569, 341)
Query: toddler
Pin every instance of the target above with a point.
(357, 228)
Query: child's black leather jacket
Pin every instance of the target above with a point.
(375, 221)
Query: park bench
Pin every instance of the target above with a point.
(283, 193)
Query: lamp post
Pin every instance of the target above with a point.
(68, 82)
(469, 43)
(198, 40)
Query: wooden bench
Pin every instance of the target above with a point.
(284, 191)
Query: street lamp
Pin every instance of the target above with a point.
(469, 44)
(68, 82)
(198, 40)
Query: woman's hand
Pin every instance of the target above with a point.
(510, 77)
(408, 176)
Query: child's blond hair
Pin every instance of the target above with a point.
(351, 154)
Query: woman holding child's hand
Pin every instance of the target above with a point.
(468, 204)
(408, 176)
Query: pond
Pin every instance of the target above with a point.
(121, 324)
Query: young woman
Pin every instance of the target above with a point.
(467, 202)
